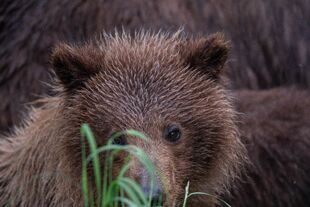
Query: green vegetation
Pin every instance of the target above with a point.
(120, 191)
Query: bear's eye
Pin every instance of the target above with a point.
(120, 140)
(172, 133)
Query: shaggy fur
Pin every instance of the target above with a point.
(116, 83)
(269, 38)
(275, 127)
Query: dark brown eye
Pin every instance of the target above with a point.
(120, 140)
(172, 133)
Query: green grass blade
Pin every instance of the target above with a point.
(124, 169)
(111, 193)
(84, 175)
(129, 191)
(186, 194)
(213, 196)
(136, 188)
(126, 201)
(86, 132)
(137, 134)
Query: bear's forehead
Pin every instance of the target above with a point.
(147, 75)
(142, 88)
(145, 69)
(130, 95)
(142, 50)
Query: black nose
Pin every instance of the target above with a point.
(155, 194)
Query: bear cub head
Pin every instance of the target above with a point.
(169, 88)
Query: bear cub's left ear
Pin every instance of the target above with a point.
(74, 65)
(208, 55)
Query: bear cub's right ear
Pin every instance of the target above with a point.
(75, 65)
(207, 54)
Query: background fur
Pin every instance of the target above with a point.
(270, 39)
(275, 128)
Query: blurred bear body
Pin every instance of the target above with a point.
(275, 128)
(269, 39)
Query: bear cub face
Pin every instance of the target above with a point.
(165, 86)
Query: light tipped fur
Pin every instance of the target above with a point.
(145, 82)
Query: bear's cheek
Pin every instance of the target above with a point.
(176, 168)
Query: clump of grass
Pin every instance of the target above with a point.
(119, 191)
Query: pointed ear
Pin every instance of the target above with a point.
(207, 55)
(75, 65)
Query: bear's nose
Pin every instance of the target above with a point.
(155, 191)
(155, 194)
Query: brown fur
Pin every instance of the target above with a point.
(269, 38)
(146, 83)
(116, 83)
(275, 128)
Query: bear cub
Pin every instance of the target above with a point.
(168, 87)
